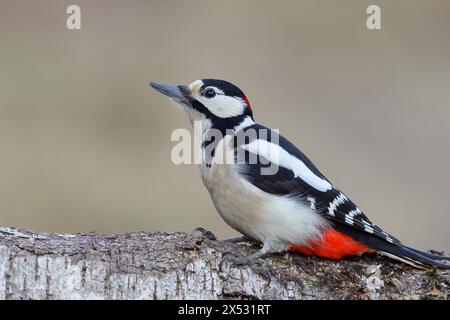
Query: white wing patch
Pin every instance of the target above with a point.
(282, 158)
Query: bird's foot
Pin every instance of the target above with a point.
(205, 233)
(255, 262)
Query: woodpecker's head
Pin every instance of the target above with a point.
(219, 101)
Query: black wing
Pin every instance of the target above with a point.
(332, 204)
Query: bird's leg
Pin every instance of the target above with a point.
(255, 261)
(205, 233)
(236, 239)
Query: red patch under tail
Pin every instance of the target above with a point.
(333, 245)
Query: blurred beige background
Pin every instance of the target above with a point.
(85, 144)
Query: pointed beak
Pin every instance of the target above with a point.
(178, 92)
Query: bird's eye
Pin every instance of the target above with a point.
(209, 93)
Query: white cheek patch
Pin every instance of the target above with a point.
(222, 106)
(282, 158)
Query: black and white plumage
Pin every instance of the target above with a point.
(296, 205)
(329, 202)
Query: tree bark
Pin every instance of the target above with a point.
(177, 266)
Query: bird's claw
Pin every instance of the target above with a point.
(227, 257)
(205, 233)
(258, 265)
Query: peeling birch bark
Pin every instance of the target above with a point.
(176, 266)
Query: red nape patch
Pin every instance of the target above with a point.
(247, 102)
(333, 245)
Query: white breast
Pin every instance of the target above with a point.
(255, 213)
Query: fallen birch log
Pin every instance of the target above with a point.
(177, 266)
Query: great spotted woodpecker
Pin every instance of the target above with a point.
(293, 208)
